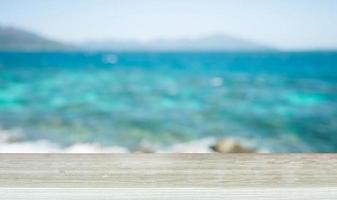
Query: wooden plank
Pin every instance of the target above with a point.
(168, 176)
(168, 170)
(169, 194)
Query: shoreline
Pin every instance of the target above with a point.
(11, 142)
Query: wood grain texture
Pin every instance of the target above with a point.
(169, 194)
(168, 171)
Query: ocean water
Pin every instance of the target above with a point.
(282, 102)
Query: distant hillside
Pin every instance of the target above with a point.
(210, 43)
(14, 39)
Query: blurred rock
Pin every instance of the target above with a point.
(7, 136)
(230, 146)
(142, 149)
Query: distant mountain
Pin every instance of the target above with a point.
(217, 42)
(14, 39)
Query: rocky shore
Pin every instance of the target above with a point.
(12, 142)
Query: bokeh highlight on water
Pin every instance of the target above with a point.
(283, 102)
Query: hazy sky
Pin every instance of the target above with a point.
(287, 24)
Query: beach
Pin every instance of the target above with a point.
(14, 143)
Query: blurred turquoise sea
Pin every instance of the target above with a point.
(283, 102)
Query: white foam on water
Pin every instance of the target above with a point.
(44, 146)
(195, 146)
(10, 143)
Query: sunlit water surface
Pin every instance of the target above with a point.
(283, 102)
